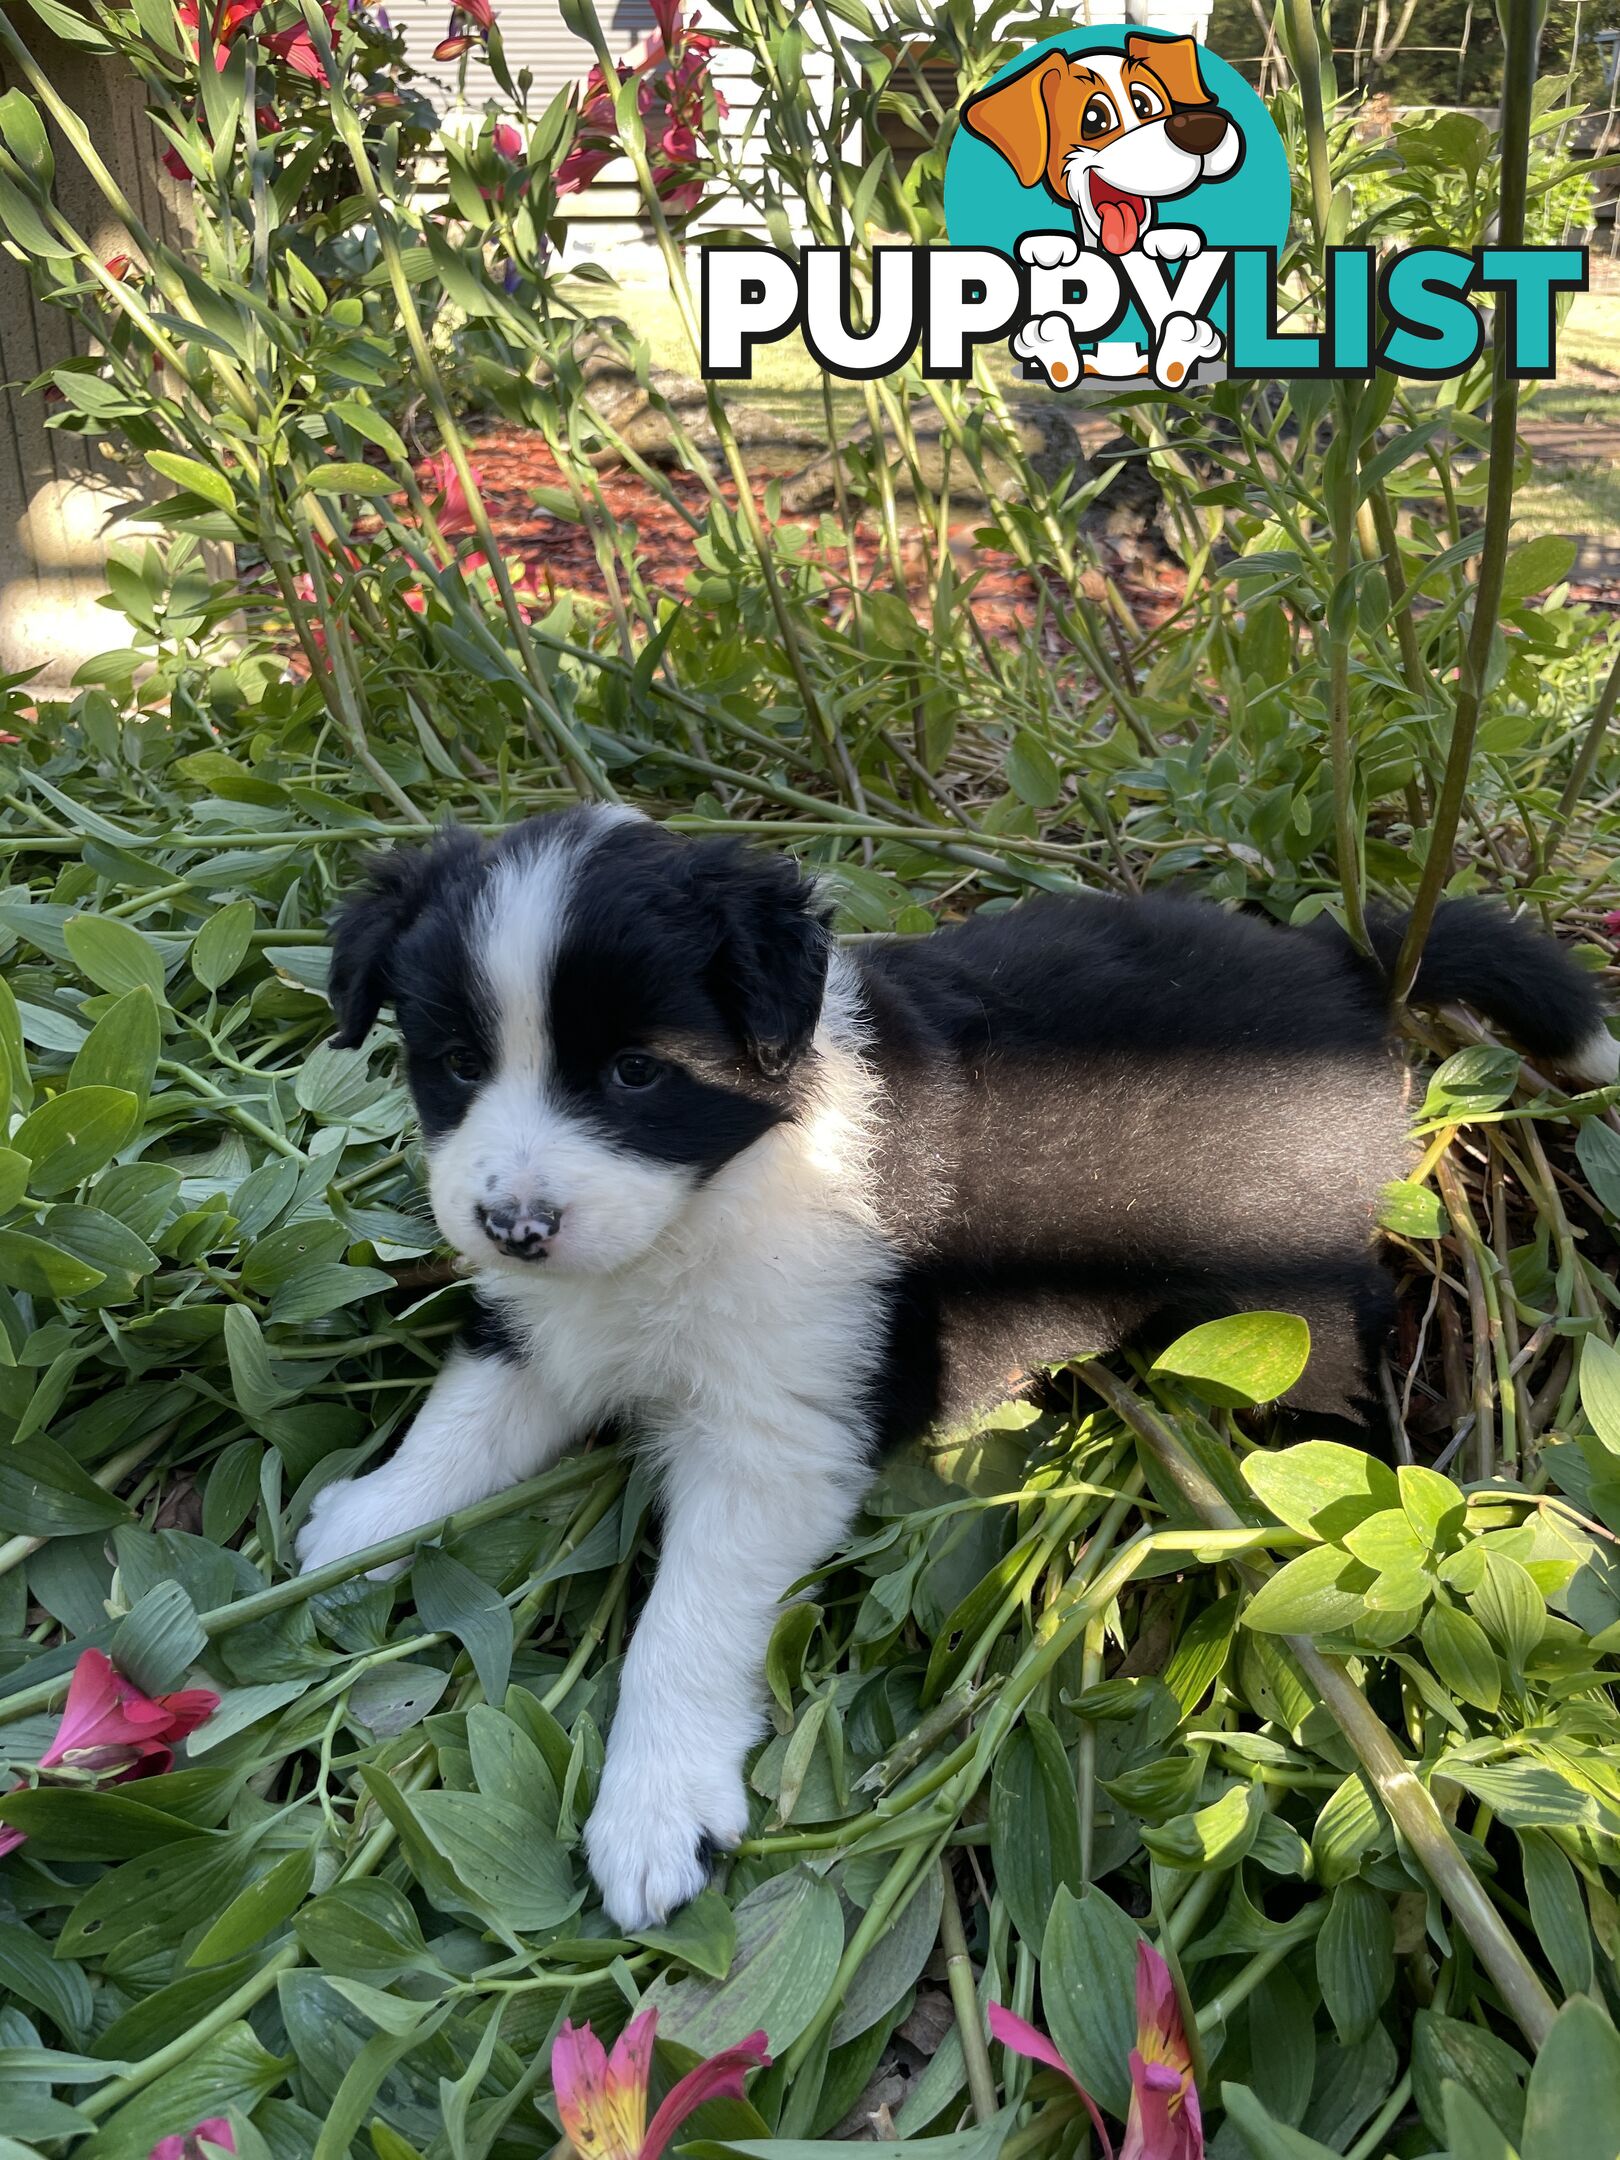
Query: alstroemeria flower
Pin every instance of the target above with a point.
(508, 141)
(455, 512)
(188, 2144)
(109, 1725)
(111, 1732)
(1611, 922)
(1164, 2122)
(226, 21)
(602, 2098)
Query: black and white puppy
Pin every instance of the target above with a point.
(777, 1206)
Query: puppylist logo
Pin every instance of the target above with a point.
(1117, 201)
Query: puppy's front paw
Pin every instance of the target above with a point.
(654, 1832)
(1172, 243)
(349, 1515)
(1049, 250)
(1049, 344)
(1184, 341)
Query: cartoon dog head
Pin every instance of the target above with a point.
(1109, 134)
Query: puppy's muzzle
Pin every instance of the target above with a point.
(1198, 133)
(521, 1231)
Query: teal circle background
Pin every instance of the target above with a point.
(985, 206)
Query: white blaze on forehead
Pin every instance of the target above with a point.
(522, 916)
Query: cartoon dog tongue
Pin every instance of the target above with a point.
(1121, 217)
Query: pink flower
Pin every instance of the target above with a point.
(187, 2144)
(111, 1732)
(1164, 2122)
(174, 163)
(226, 21)
(480, 12)
(602, 2098)
(452, 48)
(508, 141)
(108, 1725)
(454, 512)
(1611, 922)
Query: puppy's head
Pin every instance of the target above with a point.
(596, 1015)
(1109, 134)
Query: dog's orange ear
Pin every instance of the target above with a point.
(1013, 118)
(1175, 62)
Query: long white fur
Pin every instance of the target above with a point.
(731, 1322)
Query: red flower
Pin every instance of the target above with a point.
(111, 1732)
(508, 141)
(174, 163)
(228, 19)
(454, 510)
(452, 48)
(118, 268)
(1611, 922)
(478, 11)
(296, 48)
(187, 2144)
(602, 2098)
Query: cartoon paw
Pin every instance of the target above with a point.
(1172, 243)
(1049, 250)
(1184, 341)
(1049, 342)
(654, 1832)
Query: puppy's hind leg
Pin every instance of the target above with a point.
(487, 1423)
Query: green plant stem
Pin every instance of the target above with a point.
(1586, 758)
(220, 1620)
(1521, 35)
(1407, 1800)
(965, 2000)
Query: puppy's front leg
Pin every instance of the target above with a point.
(746, 1513)
(488, 1422)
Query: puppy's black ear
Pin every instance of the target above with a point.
(366, 933)
(769, 968)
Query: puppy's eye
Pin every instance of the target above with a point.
(1098, 118)
(1144, 104)
(635, 1070)
(463, 1063)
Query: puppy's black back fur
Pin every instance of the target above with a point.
(1112, 1122)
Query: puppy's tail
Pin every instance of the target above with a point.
(1477, 955)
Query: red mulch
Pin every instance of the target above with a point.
(560, 556)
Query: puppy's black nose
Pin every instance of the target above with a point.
(1198, 133)
(522, 1231)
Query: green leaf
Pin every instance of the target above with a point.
(1460, 1652)
(45, 1493)
(74, 1135)
(454, 1601)
(1032, 772)
(1201, 1652)
(1351, 1824)
(1434, 1506)
(69, 25)
(1217, 1836)
(1355, 1959)
(1320, 1593)
(1510, 1608)
(341, 477)
(1088, 1970)
(1473, 1082)
(790, 1936)
(230, 2070)
(253, 1382)
(1447, 2048)
(702, 1935)
(197, 1876)
(264, 1905)
(1471, 2132)
(893, 1966)
(26, 138)
(55, 1985)
(1597, 1150)
(1573, 2106)
(499, 1854)
(63, 1824)
(784, 1660)
(1411, 1211)
(1244, 1359)
(114, 955)
(159, 1639)
(1034, 1824)
(1558, 1911)
(1536, 565)
(121, 1050)
(1600, 1390)
(222, 944)
(1265, 2137)
(190, 473)
(1321, 1488)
